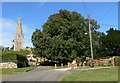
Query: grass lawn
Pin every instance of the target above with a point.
(110, 74)
(13, 71)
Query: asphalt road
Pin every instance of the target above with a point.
(40, 73)
(43, 73)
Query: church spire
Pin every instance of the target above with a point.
(19, 38)
(19, 22)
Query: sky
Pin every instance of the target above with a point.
(35, 14)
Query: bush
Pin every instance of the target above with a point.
(8, 56)
(22, 61)
(109, 63)
(21, 64)
(117, 60)
(19, 57)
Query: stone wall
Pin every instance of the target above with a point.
(72, 65)
(101, 62)
(8, 65)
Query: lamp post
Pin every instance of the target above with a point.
(90, 40)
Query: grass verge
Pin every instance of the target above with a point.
(110, 74)
(13, 71)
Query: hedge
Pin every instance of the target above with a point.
(8, 56)
(22, 61)
(18, 57)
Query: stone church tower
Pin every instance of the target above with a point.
(19, 38)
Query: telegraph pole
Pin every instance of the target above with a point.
(90, 40)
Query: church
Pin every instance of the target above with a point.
(19, 37)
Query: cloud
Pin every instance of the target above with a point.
(8, 24)
(8, 32)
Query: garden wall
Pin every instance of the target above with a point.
(8, 65)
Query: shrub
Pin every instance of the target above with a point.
(22, 61)
(109, 63)
(8, 56)
(21, 64)
(117, 60)
(19, 57)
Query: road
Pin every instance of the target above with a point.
(43, 73)
(38, 74)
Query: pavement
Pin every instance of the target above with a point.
(40, 73)
(43, 73)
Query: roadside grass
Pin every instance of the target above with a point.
(13, 71)
(109, 74)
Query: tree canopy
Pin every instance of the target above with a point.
(63, 37)
(111, 42)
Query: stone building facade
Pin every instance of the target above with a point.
(19, 37)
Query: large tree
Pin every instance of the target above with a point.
(111, 42)
(63, 36)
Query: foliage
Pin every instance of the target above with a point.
(21, 58)
(8, 56)
(117, 60)
(63, 37)
(4, 48)
(111, 42)
(18, 57)
(23, 52)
